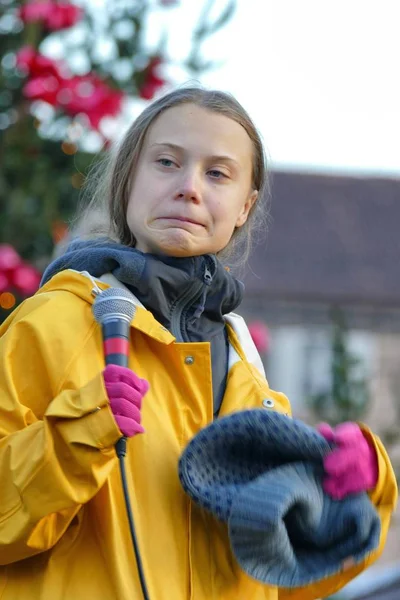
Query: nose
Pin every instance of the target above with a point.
(189, 187)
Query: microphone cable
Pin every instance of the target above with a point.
(113, 309)
(120, 448)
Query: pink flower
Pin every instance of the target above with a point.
(26, 279)
(36, 10)
(260, 335)
(34, 63)
(9, 258)
(49, 81)
(89, 95)
(53, 15)
(151, 80)
(43, 88)
(44, 73)
(64, 16)
(4, 283)
(15, 273)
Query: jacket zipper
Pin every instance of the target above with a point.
(188, 298)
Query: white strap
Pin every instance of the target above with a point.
(239, 326)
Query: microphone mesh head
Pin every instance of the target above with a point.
(114, 303)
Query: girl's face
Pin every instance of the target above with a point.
(192, 183)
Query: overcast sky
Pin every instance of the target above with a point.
(321, 78)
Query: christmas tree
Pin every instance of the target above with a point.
(347, 398)
(68, 74)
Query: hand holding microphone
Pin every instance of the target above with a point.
(114, 309)
(125, 391)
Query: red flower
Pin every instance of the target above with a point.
(64, 16)
(54, 15)
(4, 283)
(151, 82)
(26, 279)
(45, 75)
(43, 88)
(35, 64)
(89, 95)
(86, 94)
(9, 258)
(15, 273)
(260, 335)
(36, 10)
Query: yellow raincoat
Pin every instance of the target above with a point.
(63, 529)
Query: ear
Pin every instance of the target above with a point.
(244, 213)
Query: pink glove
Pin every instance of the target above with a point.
(125, 391)
(351, 467)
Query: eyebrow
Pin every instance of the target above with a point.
(181, 149)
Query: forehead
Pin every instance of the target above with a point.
(197, 128)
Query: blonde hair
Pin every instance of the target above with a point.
(108, 183)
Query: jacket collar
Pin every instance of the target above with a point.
(189, 296)
(85, 286)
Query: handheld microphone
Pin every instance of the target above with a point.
(114, 309)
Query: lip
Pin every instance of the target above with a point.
(182, 220)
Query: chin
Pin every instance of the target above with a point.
(179, 252)
(181, 246)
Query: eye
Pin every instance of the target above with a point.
(217, 174)
(166, 162)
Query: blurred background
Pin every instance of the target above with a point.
(320, 80)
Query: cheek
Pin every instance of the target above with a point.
(231, 211)
(134, 212)
(224, 214)
(139, 197)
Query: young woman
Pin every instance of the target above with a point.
(180, 197)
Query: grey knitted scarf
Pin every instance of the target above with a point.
(261, 473)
